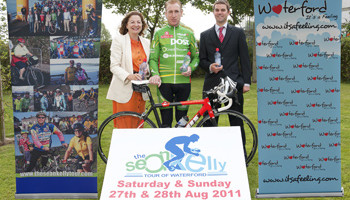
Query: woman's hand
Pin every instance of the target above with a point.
(134, 77)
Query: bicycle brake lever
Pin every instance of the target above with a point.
(233, 95)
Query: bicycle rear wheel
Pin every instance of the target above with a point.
(117, 121)
(15, 76)
(249, 129)
(52, 29)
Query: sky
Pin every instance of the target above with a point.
(345, 14)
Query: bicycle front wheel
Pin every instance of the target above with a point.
(79, 106)
(119, 120)
(251, 136)
(52, 29)
(35, 77)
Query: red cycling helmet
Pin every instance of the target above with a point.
(21, 40)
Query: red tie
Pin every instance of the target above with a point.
(221, 36)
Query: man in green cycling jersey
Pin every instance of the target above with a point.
(17, 104)
(169, 47)
(25, 102)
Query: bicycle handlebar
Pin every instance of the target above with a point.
(140, 82)
(229, 101)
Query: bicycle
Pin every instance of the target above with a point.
(71, 165)
(88, 82)
(83, 104)
(32, 75)
(52, 27)
(209, 114)
(53, 164)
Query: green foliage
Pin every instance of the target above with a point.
(105, 75)
(239, 8)
(3, 20)
(5, 65)
(105, 34)
(4, 53)
(345, 59)
(199, 72)
(346, 26)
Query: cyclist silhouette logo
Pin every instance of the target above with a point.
(171, 146)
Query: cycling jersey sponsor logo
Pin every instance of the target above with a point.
(166, 35)
(182, 34)
(179, 41)
(44, 136)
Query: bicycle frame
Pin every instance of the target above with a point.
(206, 107)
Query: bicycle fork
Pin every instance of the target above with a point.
(205, 108)
(32, 72)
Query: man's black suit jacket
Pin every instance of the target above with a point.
(233, 50)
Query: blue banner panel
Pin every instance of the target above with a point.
(55, 50)
(298, 73)
(56, 185)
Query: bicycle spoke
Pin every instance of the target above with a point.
(251, 140)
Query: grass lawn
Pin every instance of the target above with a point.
(7, 163)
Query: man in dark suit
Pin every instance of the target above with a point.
(235, 63)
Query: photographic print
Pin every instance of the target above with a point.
(54, 17)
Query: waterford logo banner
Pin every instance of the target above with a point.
(182, 164)
(55, 48)
(298, 69)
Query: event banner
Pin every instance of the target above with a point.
(55, 48)
(187, 163)
(298, 72)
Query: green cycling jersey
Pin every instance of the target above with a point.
(168, 49)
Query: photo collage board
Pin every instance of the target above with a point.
(55, 49)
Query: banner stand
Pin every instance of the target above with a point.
(55, 84)
(58, 196)
(298, 73)
(296, 195)
(182, 164)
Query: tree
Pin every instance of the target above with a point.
(239, 8)
(3, 19)
(105, 34)
(2, 32)
(152, 11)
(346, 26)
